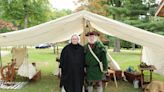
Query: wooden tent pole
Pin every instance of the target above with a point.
(57, 51)
(141, 54)
(0, 58)
(86, 28)
(82, 37)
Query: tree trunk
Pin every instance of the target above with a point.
(26, 14)
(54, 45)
(133, 46)
(26, 21)
(117, 45)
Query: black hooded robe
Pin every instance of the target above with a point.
(72, 68)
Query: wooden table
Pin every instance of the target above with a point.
(150, 68)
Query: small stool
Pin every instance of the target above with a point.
(114, 76)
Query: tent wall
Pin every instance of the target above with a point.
(125, 32)
(154, 57)
(154, 54)
(20, 54)
(0, 59)
(62, 28)
(50, 32)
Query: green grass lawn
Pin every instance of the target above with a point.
(45, 60)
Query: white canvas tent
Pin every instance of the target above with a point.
(19, 54)
(62, 28)
(25, 69)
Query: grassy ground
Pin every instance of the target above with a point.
(45, 60)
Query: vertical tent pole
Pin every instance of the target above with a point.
(58, 58)
(54, 51)
(82, 36)
(0, 58)
(141, 54)
(57, 51)
(86, 28)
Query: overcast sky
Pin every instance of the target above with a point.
(63, 4)
(66, 4)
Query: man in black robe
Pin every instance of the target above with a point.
(72, 66)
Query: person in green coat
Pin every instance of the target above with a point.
(94, 72)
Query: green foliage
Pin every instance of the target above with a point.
(124, 44)
(138, 13)
(5, 30)
(38, 11)
(117, 10)
(135, 8)
(59, 13)
(35, 11)
(154, 26)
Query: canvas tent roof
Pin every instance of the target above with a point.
(62, 28)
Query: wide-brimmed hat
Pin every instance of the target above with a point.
(92, 33)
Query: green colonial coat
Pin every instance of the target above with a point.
(93, 71)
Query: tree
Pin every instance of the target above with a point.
(139, 13)
(116, 11)
(4, 24)
(26, 13)
(135, 9)
(102, 7)
(57, 14)
(60, 13)
(96, 6)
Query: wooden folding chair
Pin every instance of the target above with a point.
(112, 72)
